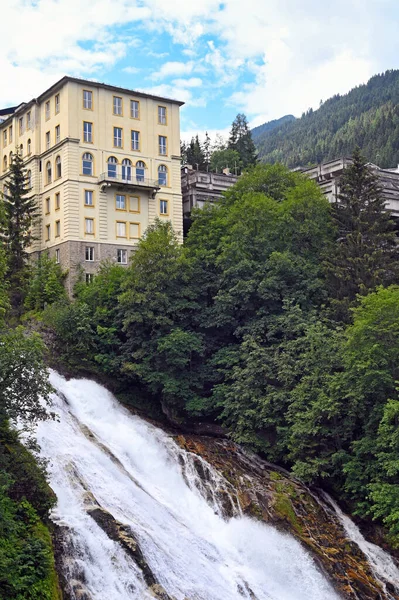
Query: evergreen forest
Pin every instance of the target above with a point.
(367, 116)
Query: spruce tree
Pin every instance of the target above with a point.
(19, 211)
(241, 141)
(365, 254)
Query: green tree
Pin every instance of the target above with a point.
(46, 283)
(194, 154)
(222, 159)
(19, 213)
(23, 377)
(365, 253)
(160, 349)
(241, 141)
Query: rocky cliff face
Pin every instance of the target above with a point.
(271, 495)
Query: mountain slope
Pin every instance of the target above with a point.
(270, 125)
(367, 116)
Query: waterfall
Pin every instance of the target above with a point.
(381, 563)
(102, 458)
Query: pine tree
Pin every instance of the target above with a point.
(365, 254)
(241, 141)
(19, 212)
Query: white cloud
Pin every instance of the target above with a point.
(171, 68)
(131, 70)
(192, 82)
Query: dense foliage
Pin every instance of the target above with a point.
(368, 116)
(237, 154)
(241, 326)
(27, 570)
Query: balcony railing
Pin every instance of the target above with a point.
(127, 179)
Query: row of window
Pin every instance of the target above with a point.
(48, 231)
(47, 107)
(57, 137)
(127, 173)
(57, 203)
(117, 107)
(135, 138)
(121, 258)
(49, 170)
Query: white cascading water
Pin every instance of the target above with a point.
(140, 476)
(381, 563)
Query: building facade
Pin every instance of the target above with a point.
(103, 162)
(200, 188)
(327, 176)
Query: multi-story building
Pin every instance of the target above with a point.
(327, 176)
(102, 161)
(200, 187)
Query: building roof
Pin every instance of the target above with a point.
(98, 84)
(9, 112)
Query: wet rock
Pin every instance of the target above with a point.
(123, 534)
(272, 495)
(159, 592)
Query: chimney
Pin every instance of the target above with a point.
(226, 171)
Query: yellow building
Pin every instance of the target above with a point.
(103, 163)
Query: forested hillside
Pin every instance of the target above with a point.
(368, 116)
(270, 125)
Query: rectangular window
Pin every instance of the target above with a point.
(117, 104)
(120, 202)
(121, 257)
(89, 253)
(120, 229)
(135, 140)
(47, 233)
(87, 99)
(117, 137)
(57, 103)
(10, 134)
(21, 125)
(28, 120)
(134, 109)
(57, 134)
(134, 231)
(162, 144)
(47, 205)
(47, 110)
(5, 137)
(57, 229)
(89, 200)
(89, 277)
(163, 207)
(57, 256)
(48, 141)
(88, 132)
(57, 201)
(134, 204)
(162, 115)
(89, 226)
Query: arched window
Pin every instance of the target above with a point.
(5, 163)
(87, 164)
(140, 170)
(10, 159)
(58, 167)
(162, 175)
(29, 179)
(29, 147)
(112, 166)
(48, 172)
(21, 149)
(126, 169)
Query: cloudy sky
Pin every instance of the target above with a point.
(266, 58)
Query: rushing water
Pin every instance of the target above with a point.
(381, 563)
(137, 473)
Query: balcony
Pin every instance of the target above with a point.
(125, 179)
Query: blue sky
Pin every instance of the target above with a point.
(266, 58)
